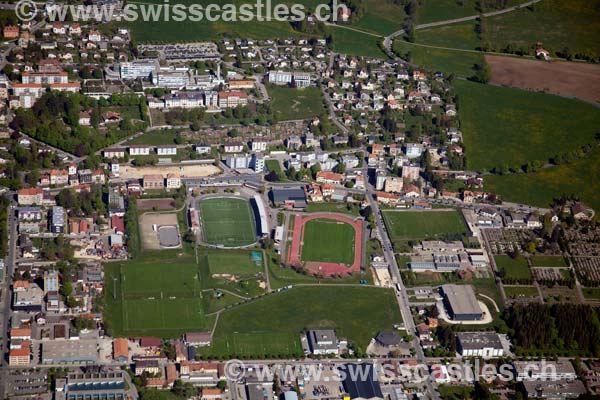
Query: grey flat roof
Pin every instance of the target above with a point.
(462, 299)
(479, 340)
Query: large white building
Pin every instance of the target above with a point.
(479, 344)
(137, 69)
(544, 370)
(299, 79)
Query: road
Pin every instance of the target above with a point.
(388, 40)
(6, 298)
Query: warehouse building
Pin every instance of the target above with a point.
(461, 303)
(479, 344)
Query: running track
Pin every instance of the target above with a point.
(324, 268)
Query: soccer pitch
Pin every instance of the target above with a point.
(424, 225)
(227, 221)
(328, 241)
(158, 294)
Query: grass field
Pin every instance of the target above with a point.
(227, 221)
(549, 261)
(274, 322)
(156, 138)
(381, 16)
(231, 270)
(520, 126)
(273, 165)
(517, 292)
(346, 41)
(337, 248)
(579, 178)
(575, 25)
(591, 293)
(344, 208)
(159, 294)
(461, 63)
(231, 262)
(516, 269)
(292, 104)
(423, 225)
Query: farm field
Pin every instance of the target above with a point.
(292, 104)
(570, 79)
(381, 16)
(549, 261)
(424, 225)
(158, 294)
(227, 221)
(460, 63)
(440, 10)
(513, 269)
(574, 24)
(455, 36)
(521, 126)
(346, 41)
(521, 292)
(578, 178)
(339, 246)
(372, 310)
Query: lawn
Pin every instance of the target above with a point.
(460, 63)
(424, 225)
(549, 261)
(513, 269)
(344, 208)
(233, 262)
(591, 293)
(156, 138)
(337, 248)
(230, 270)
(579, 178)
(158, 294)
(516, 292)
(273, 165)
(346, 41)
(293, 104)
(227, 221)
(520, 126)
(274, 322)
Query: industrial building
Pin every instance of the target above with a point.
(70, 352)
(461, 303)
(366, 387)
(107, 385)
(322, 341)
(479, 344)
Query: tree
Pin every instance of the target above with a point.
(483, 73)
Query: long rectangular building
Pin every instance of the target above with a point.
(461, 303)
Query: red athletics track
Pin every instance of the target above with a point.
(324, 268)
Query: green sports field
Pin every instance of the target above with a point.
(227, 221)
(292, 104)
(231, 270)
(159, 294)
(328, 241)
(273, 324)
(424, 225)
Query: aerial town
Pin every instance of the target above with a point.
(398, 203)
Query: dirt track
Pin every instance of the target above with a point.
(568, 79)
(186, 171)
